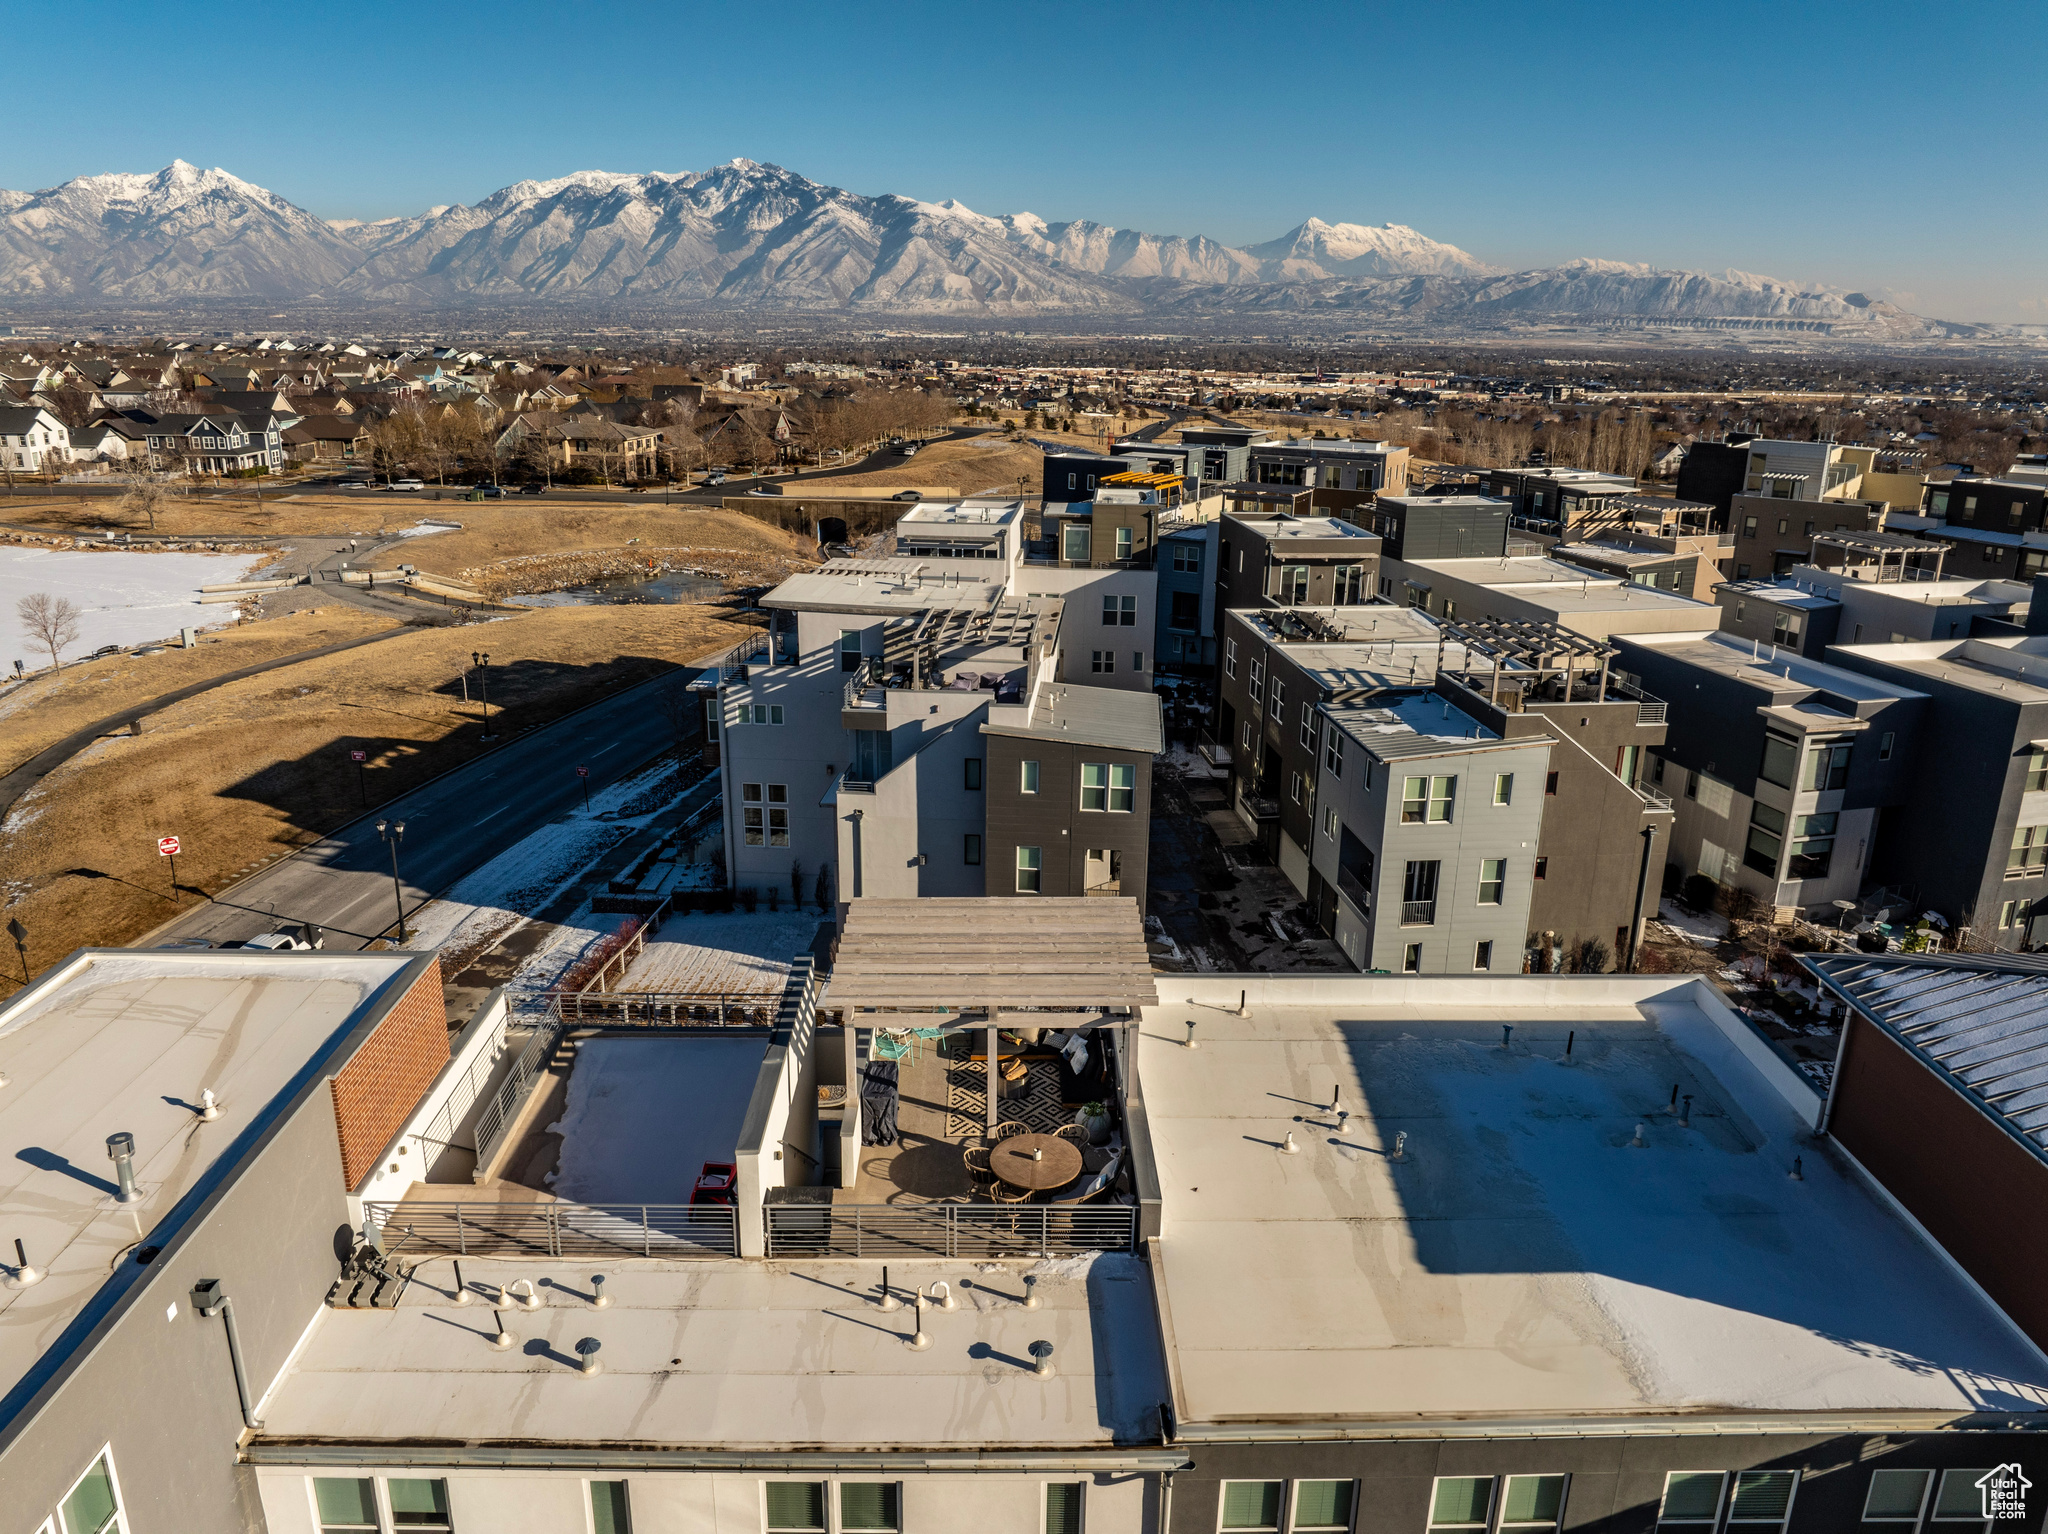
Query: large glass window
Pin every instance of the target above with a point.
(92, 1505)
(1414, 800)
(1827, 765)
(1460, 1502)
(1119, 612)
(1781, 760)
(609, 1511)
(869, 1505)
(1076, 552)
(1897, 1496)
(849, 649)
(1028, 870)
(1063, 1507)
(1123, 788)
(1692, 1501)
(1322, 1505)
(970, 849)
(1766, 839)
(1251, 1505)
(1102, 662)
(1960, 1499)
(1186, 611)
(2029, 855)
(795, 1507)
(1095, 785)
(1532, 1503)
(1762, 1500)
(1123, 543)
(972, 777)
(1503, 788)
(1813, 847)
(2037, 767)
(1187, 557)
(418, 1504)
(344, 1506)
(1333, 753)
(1443, 793)
(1418, 893)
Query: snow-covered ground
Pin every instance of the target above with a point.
(644, 1115)
(734, 954)
(128, 597)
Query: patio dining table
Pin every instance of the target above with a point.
(1058, 1162)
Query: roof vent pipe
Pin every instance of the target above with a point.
(1639, 1143)
(509, 1295)
(121, 1151)
(1042, 1351)
(209, 1109)
(23, 1274)
(1031, 1299)
(504, 1341)
(889, 1301)
(598, 1298)
(1400, 1146)
(1288, 1147)
(917, 1341)
(587, 1347)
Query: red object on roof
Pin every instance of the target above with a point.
(715, 1183)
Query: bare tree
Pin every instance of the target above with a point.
(150, 491)
(51, 621)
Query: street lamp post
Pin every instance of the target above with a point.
(482, 661)
(393, 832)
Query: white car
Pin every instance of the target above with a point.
(405, 484)
(289, 940)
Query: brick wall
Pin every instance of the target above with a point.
(379, 1088)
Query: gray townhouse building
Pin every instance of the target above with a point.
(1286, 560)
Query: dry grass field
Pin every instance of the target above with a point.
(968, 465)
(261, 766)
(500, 530)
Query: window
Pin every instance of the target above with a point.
(2029, 855)
(1762, 1500)
(1411, 959)
(1027, 775)
(1138, 661)
(1766, 839)
(870, 1505)
(1258, 687)
(1897, 1496)
(94, 1502)
(1482, 955)
(751, 816)
(1187, 558)
(1123, 788)
(778, 818)
(1960, 1499)
(767, 713)
(1503, 788)
(1028, 860)
(1785, 629)
(970, 850)
(1532, 1502)
(1294, 786)
(1749, 527)
(1293, 585)
(1784, 526)
(1322, 1505)
(1119, 612)
(973, 777)
(345, 1505)
(1094, 785)
(418, 1504)
(1414, 800)
(1418, 893)
(849, 649)
(1333, 753)
(1308, 727)
(1279, 706)
(1493, 878)
(1063, 1507)
(1247, 736)
(1230, 659)
(2009, 913)
(1692, 1500)
(1186, 611)
(1443, 793)
(1123, 543)
(1885, 744)
(1542, 869)
(1827, 766)
(1253, 1505)
(2037, 768)
(1813, 847)
(1102, 662)
(1781, 760)
(1550, 785)
(1348, 588)
(1076, 551)
(1809, 529)
(609, 1511)
(1460, 1502)
(1329, 823)
(794, 1507)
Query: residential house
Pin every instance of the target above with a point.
(1285, 560)
(1185, 641)
(32, 439)
(219, 442)
(338, 439)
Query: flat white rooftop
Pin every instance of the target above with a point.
(125, 1042)
(883, 586)
(1759, 664)
(741, 1355)
(1524, 1259)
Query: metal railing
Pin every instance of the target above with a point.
(1418, 913)
(948, 1230)
(557, 1230)
(667, 1009)
(1354, 890)
(741, 655)
(504, 1106)
(858, 683)
(1106, 887)
(1656, 797)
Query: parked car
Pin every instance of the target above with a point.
(357, 484)
(298, 939)
(404, 484)
(104, 651)
(908, 450)
(533, 489)
(715, 477)
(907, 495)
(488, 492)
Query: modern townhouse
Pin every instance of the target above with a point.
(1996, 524)
(1186, 638)
(216, 442)
(952, 721)
(1789, 776)
(1811, 607)
(1971, 840)
(1544, 494)
(1414, 527)
(1119, 524)
(1539, 589)
(1330, 463)
(1765, 1310)
(1284, 560)
(1773, 534)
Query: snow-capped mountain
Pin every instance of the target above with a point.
(752, 236)
(1317, 250)
(181, 233)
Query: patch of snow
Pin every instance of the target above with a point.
(733, 954)
(128, 598)
(425, 529)
(1704, 927)
(644, 1115)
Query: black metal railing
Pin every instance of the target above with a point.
(469, 1229)
(1418, 913)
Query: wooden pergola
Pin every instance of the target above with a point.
(1008, 962)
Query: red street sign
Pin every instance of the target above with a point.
(167, 846)
(582, 772)
(359, 756)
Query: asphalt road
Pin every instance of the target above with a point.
(453, 826)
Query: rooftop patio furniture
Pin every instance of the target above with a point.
(975, 1158)
(1091, 1187)
(1003, 1193)
(1010, 1127)
(1075, 1133)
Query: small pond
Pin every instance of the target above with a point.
(670, 587)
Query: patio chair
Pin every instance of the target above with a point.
(1010, 1127)
(975, 1158)
(1073, 1132)
(1003, 1193)
(1086, 1188)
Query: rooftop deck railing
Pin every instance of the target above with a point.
(948, 1230)
(470, 1229)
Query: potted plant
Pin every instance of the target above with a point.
(1094, 1117)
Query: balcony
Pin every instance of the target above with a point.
(1353, 890)
(1655, 798)
(1418, 913)
(1107, 887)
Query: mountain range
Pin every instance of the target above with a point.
(751, 236)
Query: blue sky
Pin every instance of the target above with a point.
(1892, 148)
